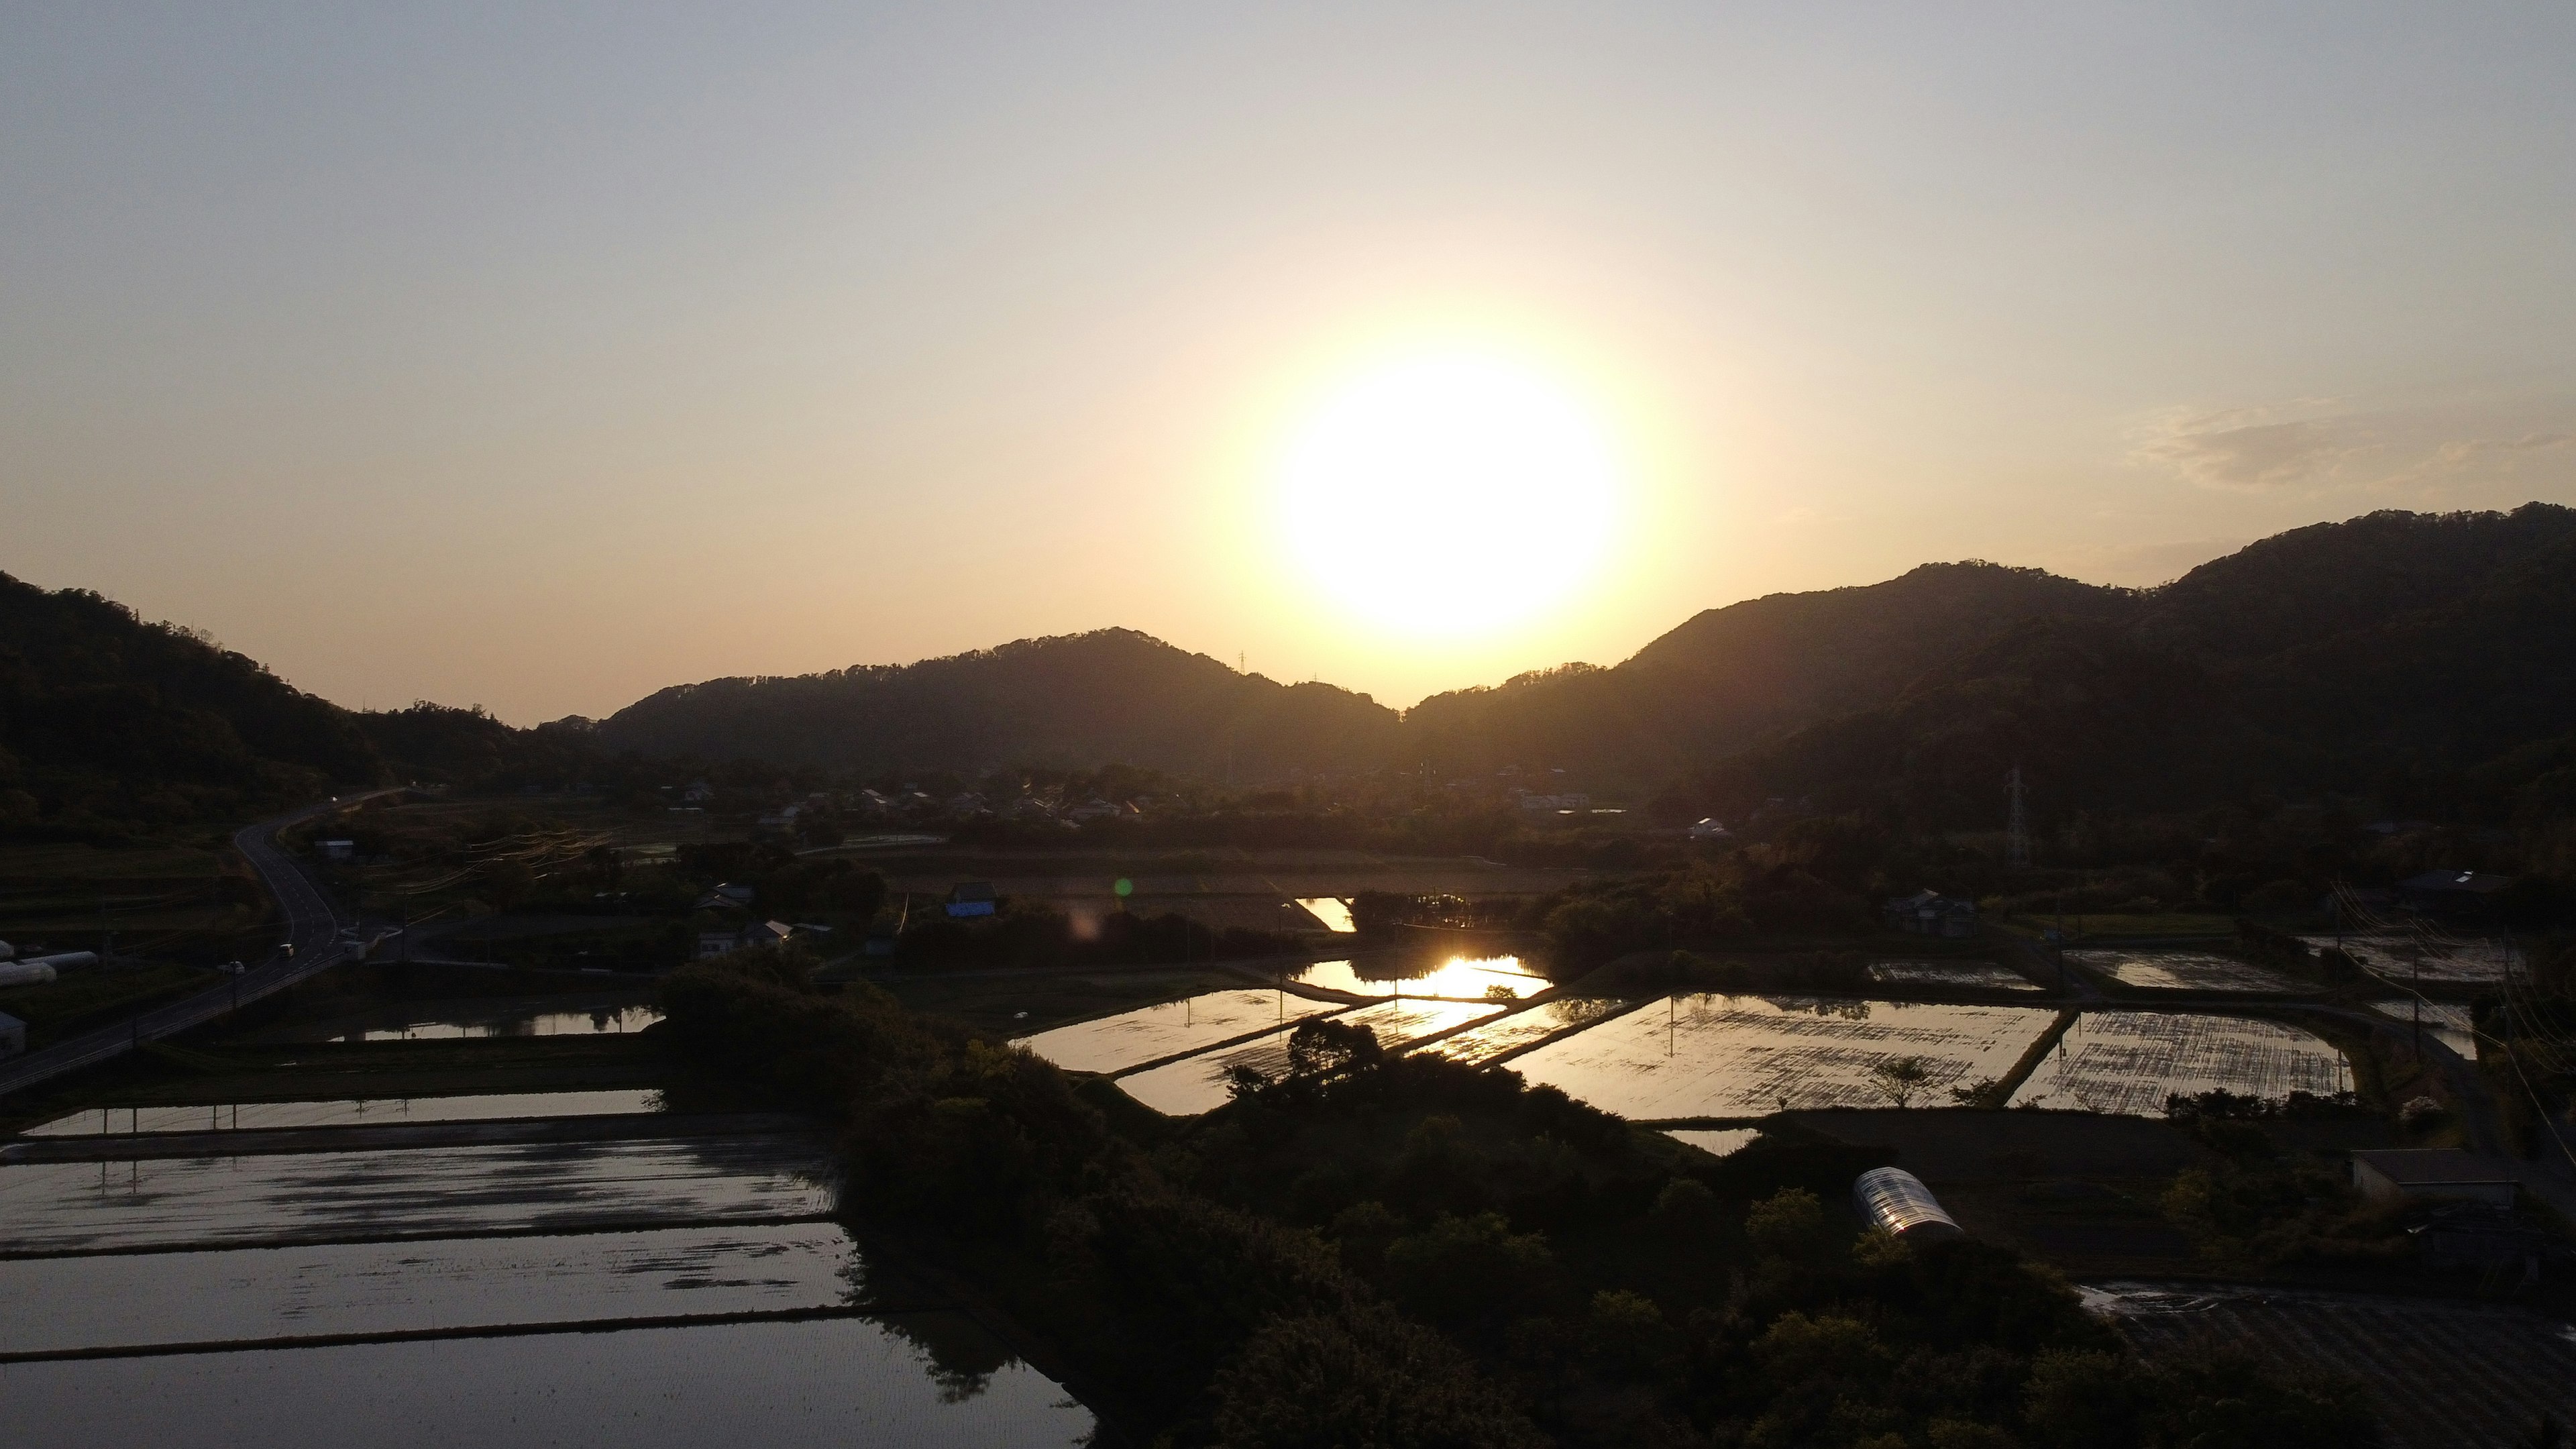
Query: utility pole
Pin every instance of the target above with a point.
(2017, 829)
(2060, 933)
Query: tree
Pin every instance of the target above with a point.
(1899, 1078)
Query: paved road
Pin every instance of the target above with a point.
(311, 922)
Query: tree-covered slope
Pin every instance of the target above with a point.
(1082, 700)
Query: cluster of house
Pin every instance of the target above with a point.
(920, 806)
(1930, 913)
(2473, 1225)
(728, 899)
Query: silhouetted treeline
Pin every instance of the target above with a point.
(1408, 1253)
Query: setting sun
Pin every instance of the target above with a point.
(1449, 494)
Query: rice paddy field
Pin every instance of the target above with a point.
(1458, 978)
(2449, 1022)
(1504, 1034)
(1132, 1038)
(2440, 1374)
(652, 1293)
(255, 1116)
(832, 1382)
(1715, 1141)
(594, 1022)
(246, 1294)
(2182, 971)
(1736, 1056)
(1978, 975)
(65, 1207)
(1332, 911)
(1198, 1084)
(2128, 1062)
(2405, 959)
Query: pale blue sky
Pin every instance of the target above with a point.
(541, 356)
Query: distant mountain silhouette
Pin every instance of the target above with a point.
(2395, 655)
(1113, 695)
(107, 719)
(2409, 657)
(2383, 654)
(1731, 676)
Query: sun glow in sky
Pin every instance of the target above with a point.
(1449, 494)
(544, 357)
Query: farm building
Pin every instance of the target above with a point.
(2396, 1174)
(1896, 1200)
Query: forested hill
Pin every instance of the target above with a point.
(107, 721)
(2425, 661)
(1729, 677)
(1113, 695)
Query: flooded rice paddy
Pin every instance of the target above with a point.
(2182, 970)
(1505, 1034)
(247, 1294)
(2405, 959)
(1459, 978)
(1732, 1056)
(2452, 1023)
(1715, 1141)
(929, 1379)
(379, 1112)
(2128, 1062)
(1132, 1038)
(602, 1021)
(442, 1295)
(1198, 1084)
(1333, 911)
(1979, 975)
(62, 1207)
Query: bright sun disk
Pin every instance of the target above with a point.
(1449, 494)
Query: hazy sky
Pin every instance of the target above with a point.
(541, 356)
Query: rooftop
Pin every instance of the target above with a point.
(2434, 1166)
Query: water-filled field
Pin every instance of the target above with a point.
(2451, 1023)
(1132, 1038)
(1729, 1056)
(1981, 975)
(1459, 978)
(1333, 911)
(517, 1326)
(600, 1021)
(1482, 1044)
(833, 1382)
(57, 1207)
(248, 1294)
(2183, 970)
(1715, 1141)
(384, 1111)
(1197, 1084)
(2128, 1062)
(2403, 959)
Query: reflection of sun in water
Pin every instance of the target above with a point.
(1449, 494)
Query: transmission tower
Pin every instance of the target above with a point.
(2017, 831)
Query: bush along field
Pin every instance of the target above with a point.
(1399, 1252)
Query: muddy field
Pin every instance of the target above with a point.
(1975, 975)
(1132, 1038)
(2128, 1062)
(356, 1112)
(1198, 1084)
(1458, 978)
(1733, 1056)
(2182, 971)
(2441, 1374)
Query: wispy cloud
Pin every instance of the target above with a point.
(2250, 447)
(2317, 445)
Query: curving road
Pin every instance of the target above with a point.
(311, 921)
